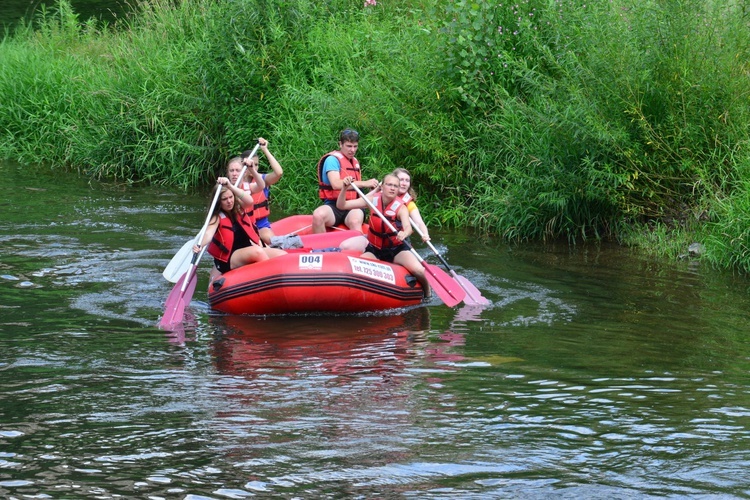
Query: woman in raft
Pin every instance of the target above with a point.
(382, 243)
(406, 192)
(232, 236)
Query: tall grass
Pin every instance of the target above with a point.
(531, 120)
(131, 104)
(600, 113)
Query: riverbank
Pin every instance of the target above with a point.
(533, 121)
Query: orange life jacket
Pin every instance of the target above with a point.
(378, 233)
(261, 207)
(221, 244)
(346, 169)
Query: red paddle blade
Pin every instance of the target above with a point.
(174, 295)
(174, 309)
(473, 295)
(190, 290)
(173, 318)
(445, 287)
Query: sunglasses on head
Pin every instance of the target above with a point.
(350, 135)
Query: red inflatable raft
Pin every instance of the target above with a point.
(306, 282)
(301, 225)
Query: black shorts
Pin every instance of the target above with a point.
(223, 267)
(386, 254)
(339, 216)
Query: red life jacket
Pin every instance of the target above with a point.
(346, 169)
(260, 202)
(221, 244)
(378, 233)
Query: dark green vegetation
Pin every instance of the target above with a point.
(13, 12)
(620, 119)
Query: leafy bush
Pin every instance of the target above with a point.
(530, 120)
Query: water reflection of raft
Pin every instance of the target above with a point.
(249, 346)
(314, 282)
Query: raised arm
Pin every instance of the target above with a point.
(417, 218)
(258, 184)
(209, 234)
(272, 177)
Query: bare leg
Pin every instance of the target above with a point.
(247, 255)
(354, 219)
(322, 217)
(356, 243)
(273, 252)
(410, 262)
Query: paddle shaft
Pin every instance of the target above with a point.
(175, 311)
(244, 167)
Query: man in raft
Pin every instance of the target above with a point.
(333, 167)
(382, 243)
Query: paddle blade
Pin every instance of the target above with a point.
(179, 263)
(173, 318)
(445, 287)
(174, 309)
(190, 290)
(473, 295)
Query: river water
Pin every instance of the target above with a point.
(595, 372)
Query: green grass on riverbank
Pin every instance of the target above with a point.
(532, 120)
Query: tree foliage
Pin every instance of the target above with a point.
(529, 120)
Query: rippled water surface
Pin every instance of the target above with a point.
(594, 373)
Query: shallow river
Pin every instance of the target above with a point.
(595, 372)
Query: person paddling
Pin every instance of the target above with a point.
(231, 236)
(333, 167)
(382, 243)
(407, 194)
(261, 197)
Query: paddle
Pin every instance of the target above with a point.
(182, 292)
(473, 295)
(444, 286)
(181, 260)
(174, 309)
